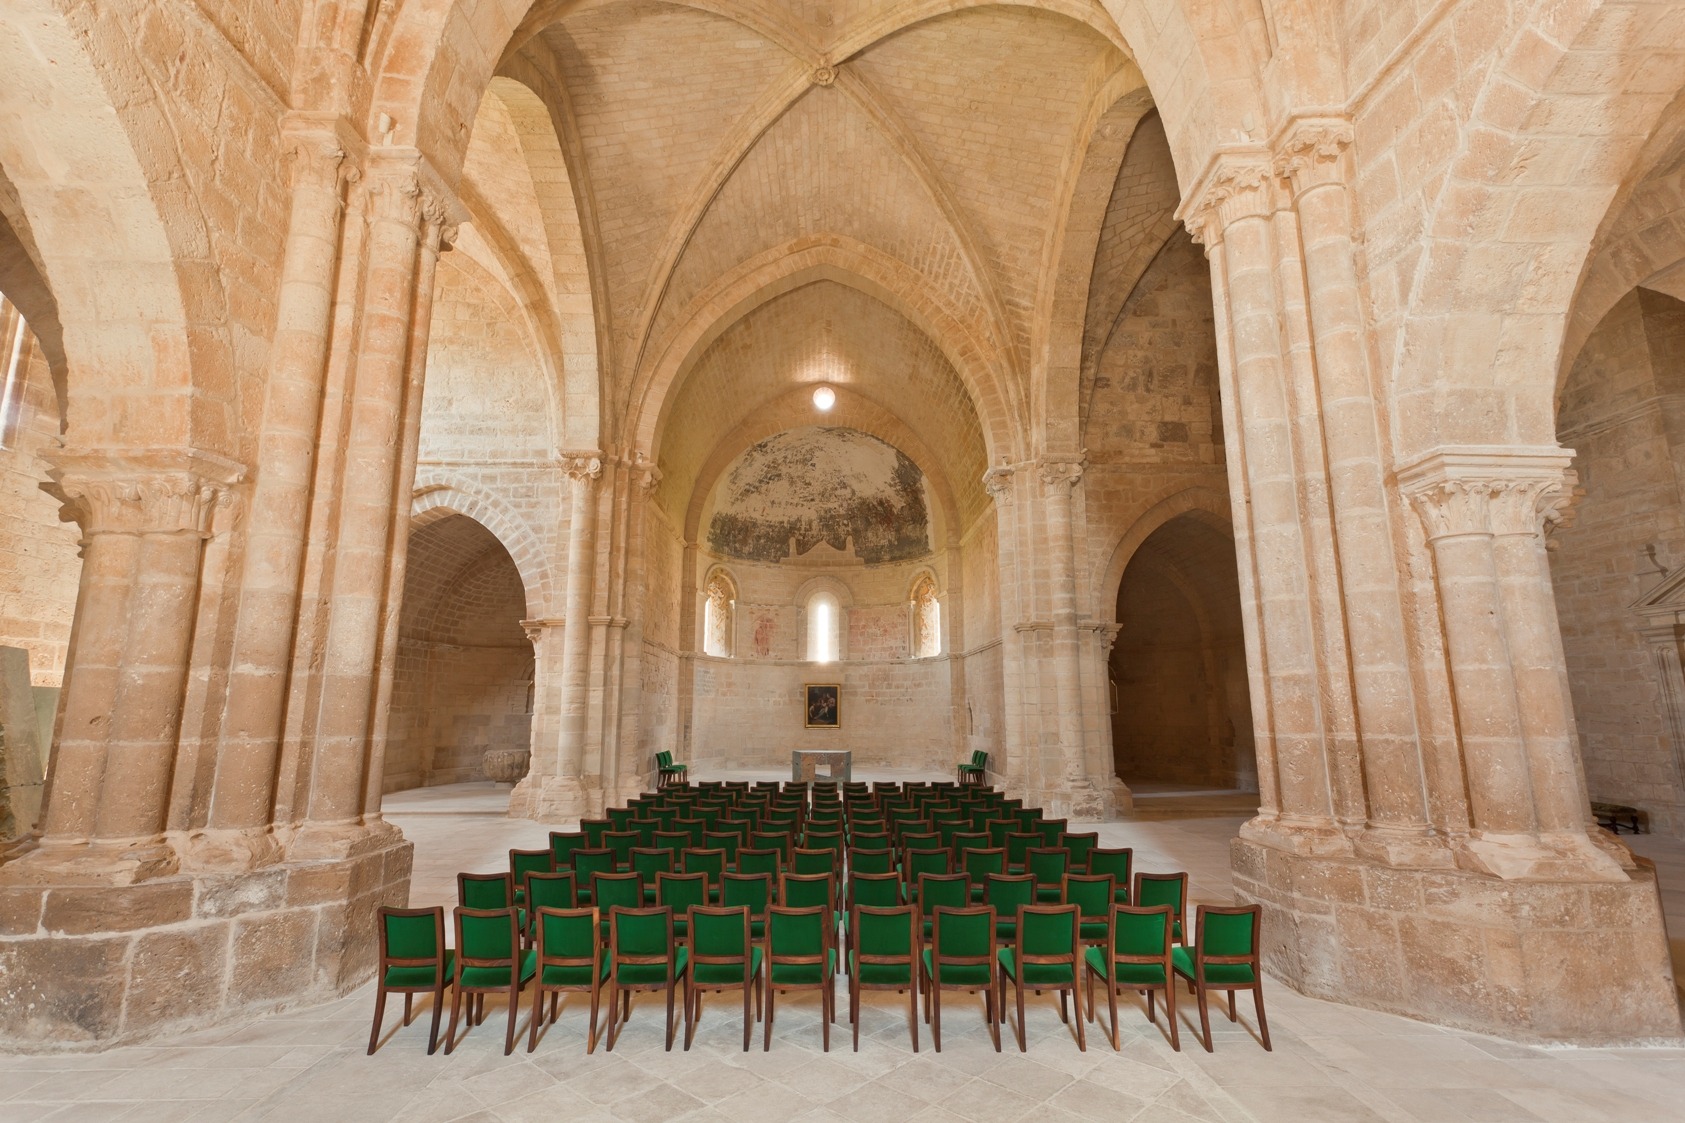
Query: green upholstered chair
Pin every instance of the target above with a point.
(620, 817)
(587, 864)
(1135, 957)
(871, 840)
(757, 861)
(884, 956)
(1048, 865)
(1051, 831)
(645, 826)
(916, 863)
(523, 862)
(833, 840)
(488, 891)
(973, 771)
(1224, 957)
(610, 891)
(674, 840)
(1120, 863)
(621, 844)
(804, 861)
(723, 957)
(963, 842)
(1080, 846)
(667, 771)
(594, 830)
(961, 956)
(781, 841)
(726, 842)
(1046, 954)
(413, 960)
(489, 960)
(712, 862)
(649, 861)
(1164, 889)
(801, 955)
(979, 864)
(811, 890)
(880, 860)
(571, 959)
(1092, 894)
(920, 839)
(681, 892)
(693, 825)
(562, 846)
(1018, 846)
(752, 891)
(558, 890)
(642, 957)
(1007, 893)
(998, 829)
(940, 890)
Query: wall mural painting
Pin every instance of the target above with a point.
(793, 491)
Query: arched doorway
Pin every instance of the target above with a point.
(464, 679)
(1181, 716)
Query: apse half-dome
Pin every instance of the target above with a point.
(836, 486)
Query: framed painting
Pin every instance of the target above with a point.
(824, 706)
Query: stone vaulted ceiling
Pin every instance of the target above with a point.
(710, 136)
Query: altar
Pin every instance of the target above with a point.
(805, 764)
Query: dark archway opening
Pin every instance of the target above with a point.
(464, 680)
(1182, 713)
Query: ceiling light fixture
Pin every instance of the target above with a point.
(824, 398)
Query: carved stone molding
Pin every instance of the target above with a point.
(998, 483)
(403, 187)
(824, 75)
(1238, 185)
(1310, 151)
(143, 491)
(1497, 491)
(1063, 471)
(581, 466)
(538, 625)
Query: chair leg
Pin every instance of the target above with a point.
(825, 1015)
(1018, 985)
(934, 998)
(591, 1038)
(1170, 1014)
(1204, 1017)
(1263, 1026)
(438, 1009)
(1111, 1007)
(1082, 1032)
(854, 1009)
(671, 986)
(1231, 1006)
(514, 1010)
(771, 1001)
(408, 995)
(379, 1013)
(749, 1016)
(1065, 1009)
(613, 1012)
(537, 1015)
(456, 1005)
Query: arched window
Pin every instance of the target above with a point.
(718, 607)
(824, 627)
(927, 619)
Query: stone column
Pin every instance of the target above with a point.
(1232, 215)
(547, 636)
(369, 497)
(565, 793)
(145, 515)
(1484, 512)
(1010, 759)
(244, 792)
(1077, 795)
(1313, 160)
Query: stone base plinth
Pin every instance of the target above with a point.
(1584, 962)
(551, 799)
(88, 966)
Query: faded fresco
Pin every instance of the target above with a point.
(821, 485)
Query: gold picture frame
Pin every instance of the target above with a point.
(822, 705)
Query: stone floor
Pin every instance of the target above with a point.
(1330, 1062)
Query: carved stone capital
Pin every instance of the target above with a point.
(1310, 152)
(1238, 185)
(142, 491)
(582, 466)
(998, 483)
(403, 187)
(1063, 471)
(1496, 491)
(538, 626)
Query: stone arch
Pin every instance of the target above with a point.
(924, 577)
(1211, 505)
(842, 594)
(439, 494)
(785, 268)
(1493, 311)
(105, 250)
(718, 572)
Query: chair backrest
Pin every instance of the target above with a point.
(769, 862)
(726, 842)
(645, 828)
(711, 862)
(485, 890)
(562, 846)
(966, 841)
(1080, 846)
(916, 862)
(979, 758)
(663, 758)
(803, 861)
(980, 863)
(886, 936)
(781, 842)
(1228, 934)
(871, 840)
(568, 937)
(621, 844)
(617, 890)
(674, 840)
(1162, 889)
(589, 862)
(942, 890)
(1008, 892)
(1142, 935)
(998, 829)
(871, 861)
(798, 935)
(825, 840)
(1091, 893)
(1052, 830)
(1018, 846)
(874, 890)
(681, 892)
(721, 936)
(804, 891)
(413, 938)
(1049, 864)
(962, 937)
(922, 840)
(650, 861)
(641, 937)
(593, 830)
(485, 938)
(1118, 861)
(753, 890)
(552, 890)
(1049, 934)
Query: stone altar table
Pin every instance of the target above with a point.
(805, 764)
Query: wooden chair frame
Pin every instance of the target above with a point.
(442, 977)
